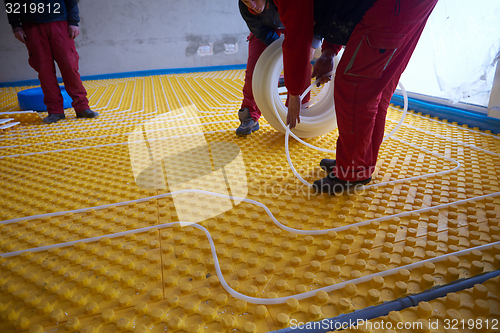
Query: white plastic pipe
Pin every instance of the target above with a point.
(279, 300)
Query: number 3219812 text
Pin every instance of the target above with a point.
(32, 8)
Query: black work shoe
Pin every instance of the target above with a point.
(52, 118)
(248, 124)
(332, 185)
(87, 113)
(327, 164)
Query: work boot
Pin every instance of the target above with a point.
(333, 185)
(248, 124)
(54, 117)
(327, 164)
(87, 113)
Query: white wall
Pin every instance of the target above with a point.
(126, 35)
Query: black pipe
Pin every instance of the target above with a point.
(349, 320)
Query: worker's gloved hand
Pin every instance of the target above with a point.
(324, 66)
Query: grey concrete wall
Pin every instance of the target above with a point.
(125, 35)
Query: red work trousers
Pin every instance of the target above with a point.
(255, 49)
(49, 42)
(376, 54)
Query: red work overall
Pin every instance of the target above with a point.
(376, 54)
(255, 49)
(49, 42)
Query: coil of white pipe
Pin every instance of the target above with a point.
(317, 116)
(315, 120)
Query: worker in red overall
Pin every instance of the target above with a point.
(379, 37)
(262, 19)
(48, 29)
(265, 26)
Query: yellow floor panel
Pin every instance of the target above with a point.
(473, 310)
(22, 116)
(156, 216)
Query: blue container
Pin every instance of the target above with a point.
(32, 99)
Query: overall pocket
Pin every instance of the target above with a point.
(373, 54)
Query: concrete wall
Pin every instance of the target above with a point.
(125, 35)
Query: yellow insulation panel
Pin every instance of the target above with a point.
(156, 216)
(473, 310)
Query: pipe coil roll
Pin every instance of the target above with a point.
(315, 120)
